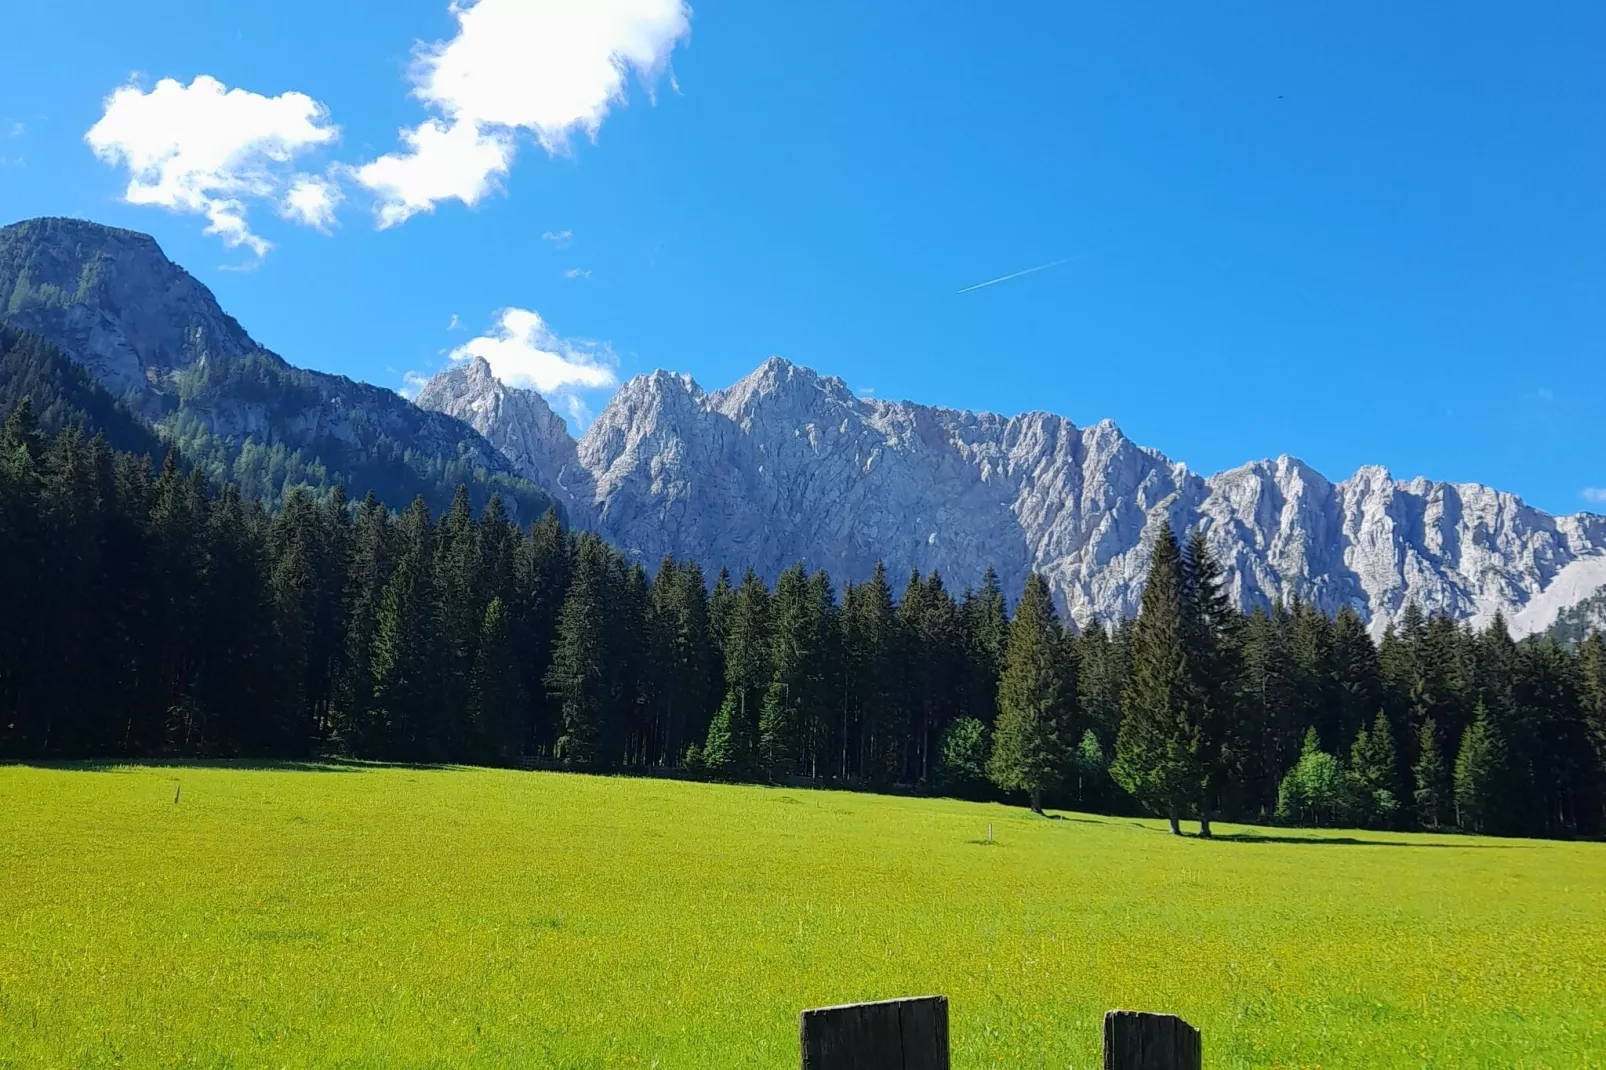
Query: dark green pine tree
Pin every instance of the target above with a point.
(495, 703)
(295, 590)
(1358, 684)
(22, 546)
(542, 564)
(794, 632)
(729, 750)
(985, 620)
(1212, 643)
(1432, 777)
(1100, 679)
(355, 729)
(822, 700)
(748, 667)
(1592, 699)
(407, 648)
(1033, 739)
(1157, 749)
(461, 613)
(1270, 707)
(870, 638)
(1375, 767)
(581, 678)
(1477, 775)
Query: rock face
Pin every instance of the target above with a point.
(787, 465)
(155, 336)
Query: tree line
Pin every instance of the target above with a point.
(151, 611)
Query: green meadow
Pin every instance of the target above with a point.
(395, 917)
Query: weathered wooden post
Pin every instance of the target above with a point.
(1137, 1041)
(895, 1034)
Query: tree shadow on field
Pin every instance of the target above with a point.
(247, 765)
(1352, 841)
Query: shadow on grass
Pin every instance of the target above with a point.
(249, 765)
(1352, 841)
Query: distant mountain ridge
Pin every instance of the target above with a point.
(154, 336)
(788, 465)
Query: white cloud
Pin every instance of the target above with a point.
(443, 161)
(559, 238)
(311, 201)
(577, 273)
(579, 412)
(412, 383)
(452, 326)
(523, 351)
(18, 129)
(207, 149)
(1596, 495)
(551, 67)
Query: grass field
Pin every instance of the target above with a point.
(391, 917)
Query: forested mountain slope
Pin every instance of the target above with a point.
(156, 338)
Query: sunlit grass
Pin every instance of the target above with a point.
(388, 917)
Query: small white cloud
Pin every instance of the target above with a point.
(867, 391)
(524, 352)
(1596, 495)
(18, 129)
(579, 412)
(412, 383)
(559, 238)
(550, 67)
(311, 201)
(577, 273)
(443, 161)
(205, 149)
(452, 326)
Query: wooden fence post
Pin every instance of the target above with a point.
(1137, 1041)
(895, 1034)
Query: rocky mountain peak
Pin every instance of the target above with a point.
(113, 296)
(786, 465)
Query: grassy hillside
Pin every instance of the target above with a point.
(379, 917)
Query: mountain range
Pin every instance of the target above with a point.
(788, 465)
(154, 337)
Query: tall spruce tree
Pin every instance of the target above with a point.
(1375, 767)
(1213, 651)
(494, 698)
(1033, 740)
(1477, 770)
(1157, 749)
(1432, 777)
(582, 678)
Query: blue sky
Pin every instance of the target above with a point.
(1355, 233)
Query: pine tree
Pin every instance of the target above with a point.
(494, 689)
(356, 730)
(777, 733)
(729, 749)
(581, 678)
(1376, 771)
(407, 646)
(1032, 740)
(1212, 645)
(1156, 749)
(984, 618)
(1477, 770)
(1432, 779)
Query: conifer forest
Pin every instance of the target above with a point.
(151, 611)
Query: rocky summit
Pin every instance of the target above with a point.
(788, 465)
(156, 338)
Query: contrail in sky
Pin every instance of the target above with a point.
(1016, 275)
